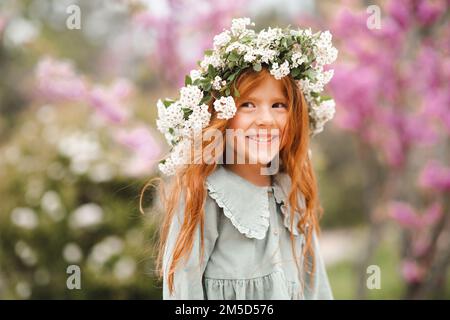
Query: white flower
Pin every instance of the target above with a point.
(216, 83)
(326, 110)
(124, 268)
(322, 113)
(169, 117)
(86, 215)
(190, 96)
(25, 218)
(83, 148)
(225, 107)
(295, 33)
(222, 39)
(174, 114)
(213, 59)
(323, 50)
(168, 167)
(239, 47)
(271, 36)
(26, 253)
(266, 54)
(325, 38)
(297, 59)
(308, 86)
(105, 250)
(177, 158)
(307, 32)
(198, 119)
(322, 78)
(52, 205)
(195, 74)
(72, 253)
(239, 25)
(250, 55)
(280, 71)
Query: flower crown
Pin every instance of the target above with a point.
(285, 51)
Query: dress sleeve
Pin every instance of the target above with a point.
(320, 289)
(188, 275)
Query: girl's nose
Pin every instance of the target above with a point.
(264, 116)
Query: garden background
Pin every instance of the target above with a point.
(79, 81)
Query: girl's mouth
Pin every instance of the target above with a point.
(263, 139)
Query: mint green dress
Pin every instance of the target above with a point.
(248, 252)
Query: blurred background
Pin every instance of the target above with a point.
(79, 81)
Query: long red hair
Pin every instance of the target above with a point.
(190, 180)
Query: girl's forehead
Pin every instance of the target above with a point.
(265, 88)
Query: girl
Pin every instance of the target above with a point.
(245, 229)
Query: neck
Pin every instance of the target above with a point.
(251, 172)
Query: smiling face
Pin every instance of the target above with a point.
(260, 120)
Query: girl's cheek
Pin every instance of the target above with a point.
(241, 121)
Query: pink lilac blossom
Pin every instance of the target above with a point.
(435, 176)
(411, 271)
(200, 21)
(377, 91)
(57, 80)
(435, 75)
(111, 102)
(144, 146)
(405, 215)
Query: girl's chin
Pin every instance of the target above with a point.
(261, 158)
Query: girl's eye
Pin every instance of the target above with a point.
(248, 104)
(279, 105)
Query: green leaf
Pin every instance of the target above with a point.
(233, 76)
(211, 71)
(295, 72)
(233, 56)
(186, 112)
(227, 92)
(257, 67)
(310, 74)
(208, 52)
(206, 99)
(167, 103)
(187, 80)
(236, 93)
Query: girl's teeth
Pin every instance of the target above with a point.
(262, 139)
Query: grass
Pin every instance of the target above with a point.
(343, 276)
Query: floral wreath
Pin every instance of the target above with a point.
(297, 52)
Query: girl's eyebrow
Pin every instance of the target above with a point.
(259, 100)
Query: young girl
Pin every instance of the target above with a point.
(246, 229)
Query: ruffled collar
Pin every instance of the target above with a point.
(247, 205)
